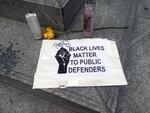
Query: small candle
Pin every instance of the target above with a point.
(34, 25)
(89, 11)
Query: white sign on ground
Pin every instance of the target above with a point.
(77, 63)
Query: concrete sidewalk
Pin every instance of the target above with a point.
(17, 48)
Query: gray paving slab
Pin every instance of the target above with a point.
(23, 51)
(135, 98)
(109, 13)
(140, 28)
(13, 100)
(19, 57)
(144, 9)
(20, 64)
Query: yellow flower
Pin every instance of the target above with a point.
(49, 34)
(49, 29)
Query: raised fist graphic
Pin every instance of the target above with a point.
(62, 57)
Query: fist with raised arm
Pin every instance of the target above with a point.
(62, 57)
